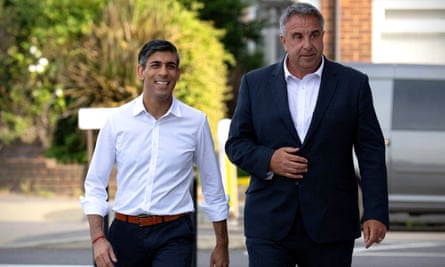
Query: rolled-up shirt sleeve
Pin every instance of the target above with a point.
(215, 203)
(95, 200)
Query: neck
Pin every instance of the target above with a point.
(156, 107)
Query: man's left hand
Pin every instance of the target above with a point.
(219, 257)
(373, 232)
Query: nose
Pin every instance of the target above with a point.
(163, 70)
(307, 43)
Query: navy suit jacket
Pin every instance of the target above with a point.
(327, 196)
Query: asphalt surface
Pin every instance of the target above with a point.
(30, 221)
(31, 226)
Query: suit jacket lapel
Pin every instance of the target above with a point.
(280, 98)
(328, 87)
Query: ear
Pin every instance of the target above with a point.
(283, 41)
(140, 72)
(178, 74)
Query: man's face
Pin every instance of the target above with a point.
(160, 75)
(303, 41)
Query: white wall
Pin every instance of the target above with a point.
(409, 31)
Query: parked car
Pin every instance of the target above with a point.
(410, 105)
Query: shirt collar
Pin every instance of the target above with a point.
(287, 73)
(174, 109)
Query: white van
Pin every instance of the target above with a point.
(410, 105)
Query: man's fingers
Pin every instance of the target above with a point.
(112, 255)
(289, 149)
(373, 232)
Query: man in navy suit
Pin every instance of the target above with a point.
(294, 130)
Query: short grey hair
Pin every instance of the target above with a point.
(302, 9)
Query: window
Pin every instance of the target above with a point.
(419, 105)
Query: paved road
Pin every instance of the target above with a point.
(28, 221)
(400, 249)
(38, 231)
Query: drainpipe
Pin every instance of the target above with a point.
(337, 30)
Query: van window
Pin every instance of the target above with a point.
(419, 105)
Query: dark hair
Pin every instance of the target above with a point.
(155, 46)
(302, 9)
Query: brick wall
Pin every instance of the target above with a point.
(356, 31)
(328, 11)
(43, 176)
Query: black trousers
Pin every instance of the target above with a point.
(163, 245)
(297, 249)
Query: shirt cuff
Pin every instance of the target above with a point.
(94, 206)
(216, 212)
(269, 175)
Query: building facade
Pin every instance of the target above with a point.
(371, 31)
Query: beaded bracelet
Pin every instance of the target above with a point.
(97, 238)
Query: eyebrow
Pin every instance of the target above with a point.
(312, 32)
(160, 62)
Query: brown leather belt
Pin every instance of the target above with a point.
(147, 220)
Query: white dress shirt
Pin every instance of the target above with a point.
(155, 161)
(302, 97)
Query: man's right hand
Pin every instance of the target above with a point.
(103, 253)
(286, 163)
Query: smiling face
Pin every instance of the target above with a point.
(160, 75)
(303, 42)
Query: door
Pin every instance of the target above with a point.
(418, 138)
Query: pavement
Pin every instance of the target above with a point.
(31, 221)
(58, 222)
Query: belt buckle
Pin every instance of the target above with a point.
(140, 217)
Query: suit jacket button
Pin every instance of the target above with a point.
(297, 183)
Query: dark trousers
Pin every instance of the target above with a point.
(163, 245)
(297, 249)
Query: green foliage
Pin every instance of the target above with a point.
(228, 14)
(68, 145)
(231, 16)
(104, 72)
(38, 37)
(60, 55)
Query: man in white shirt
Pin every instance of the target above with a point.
(155, 141)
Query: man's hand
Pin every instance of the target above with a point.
(220, 254)
(103, 253)
(102, 249)
(219, 257)
(373, 232)
(284, 162)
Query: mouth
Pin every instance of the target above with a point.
(162, 82)
(308, 56)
